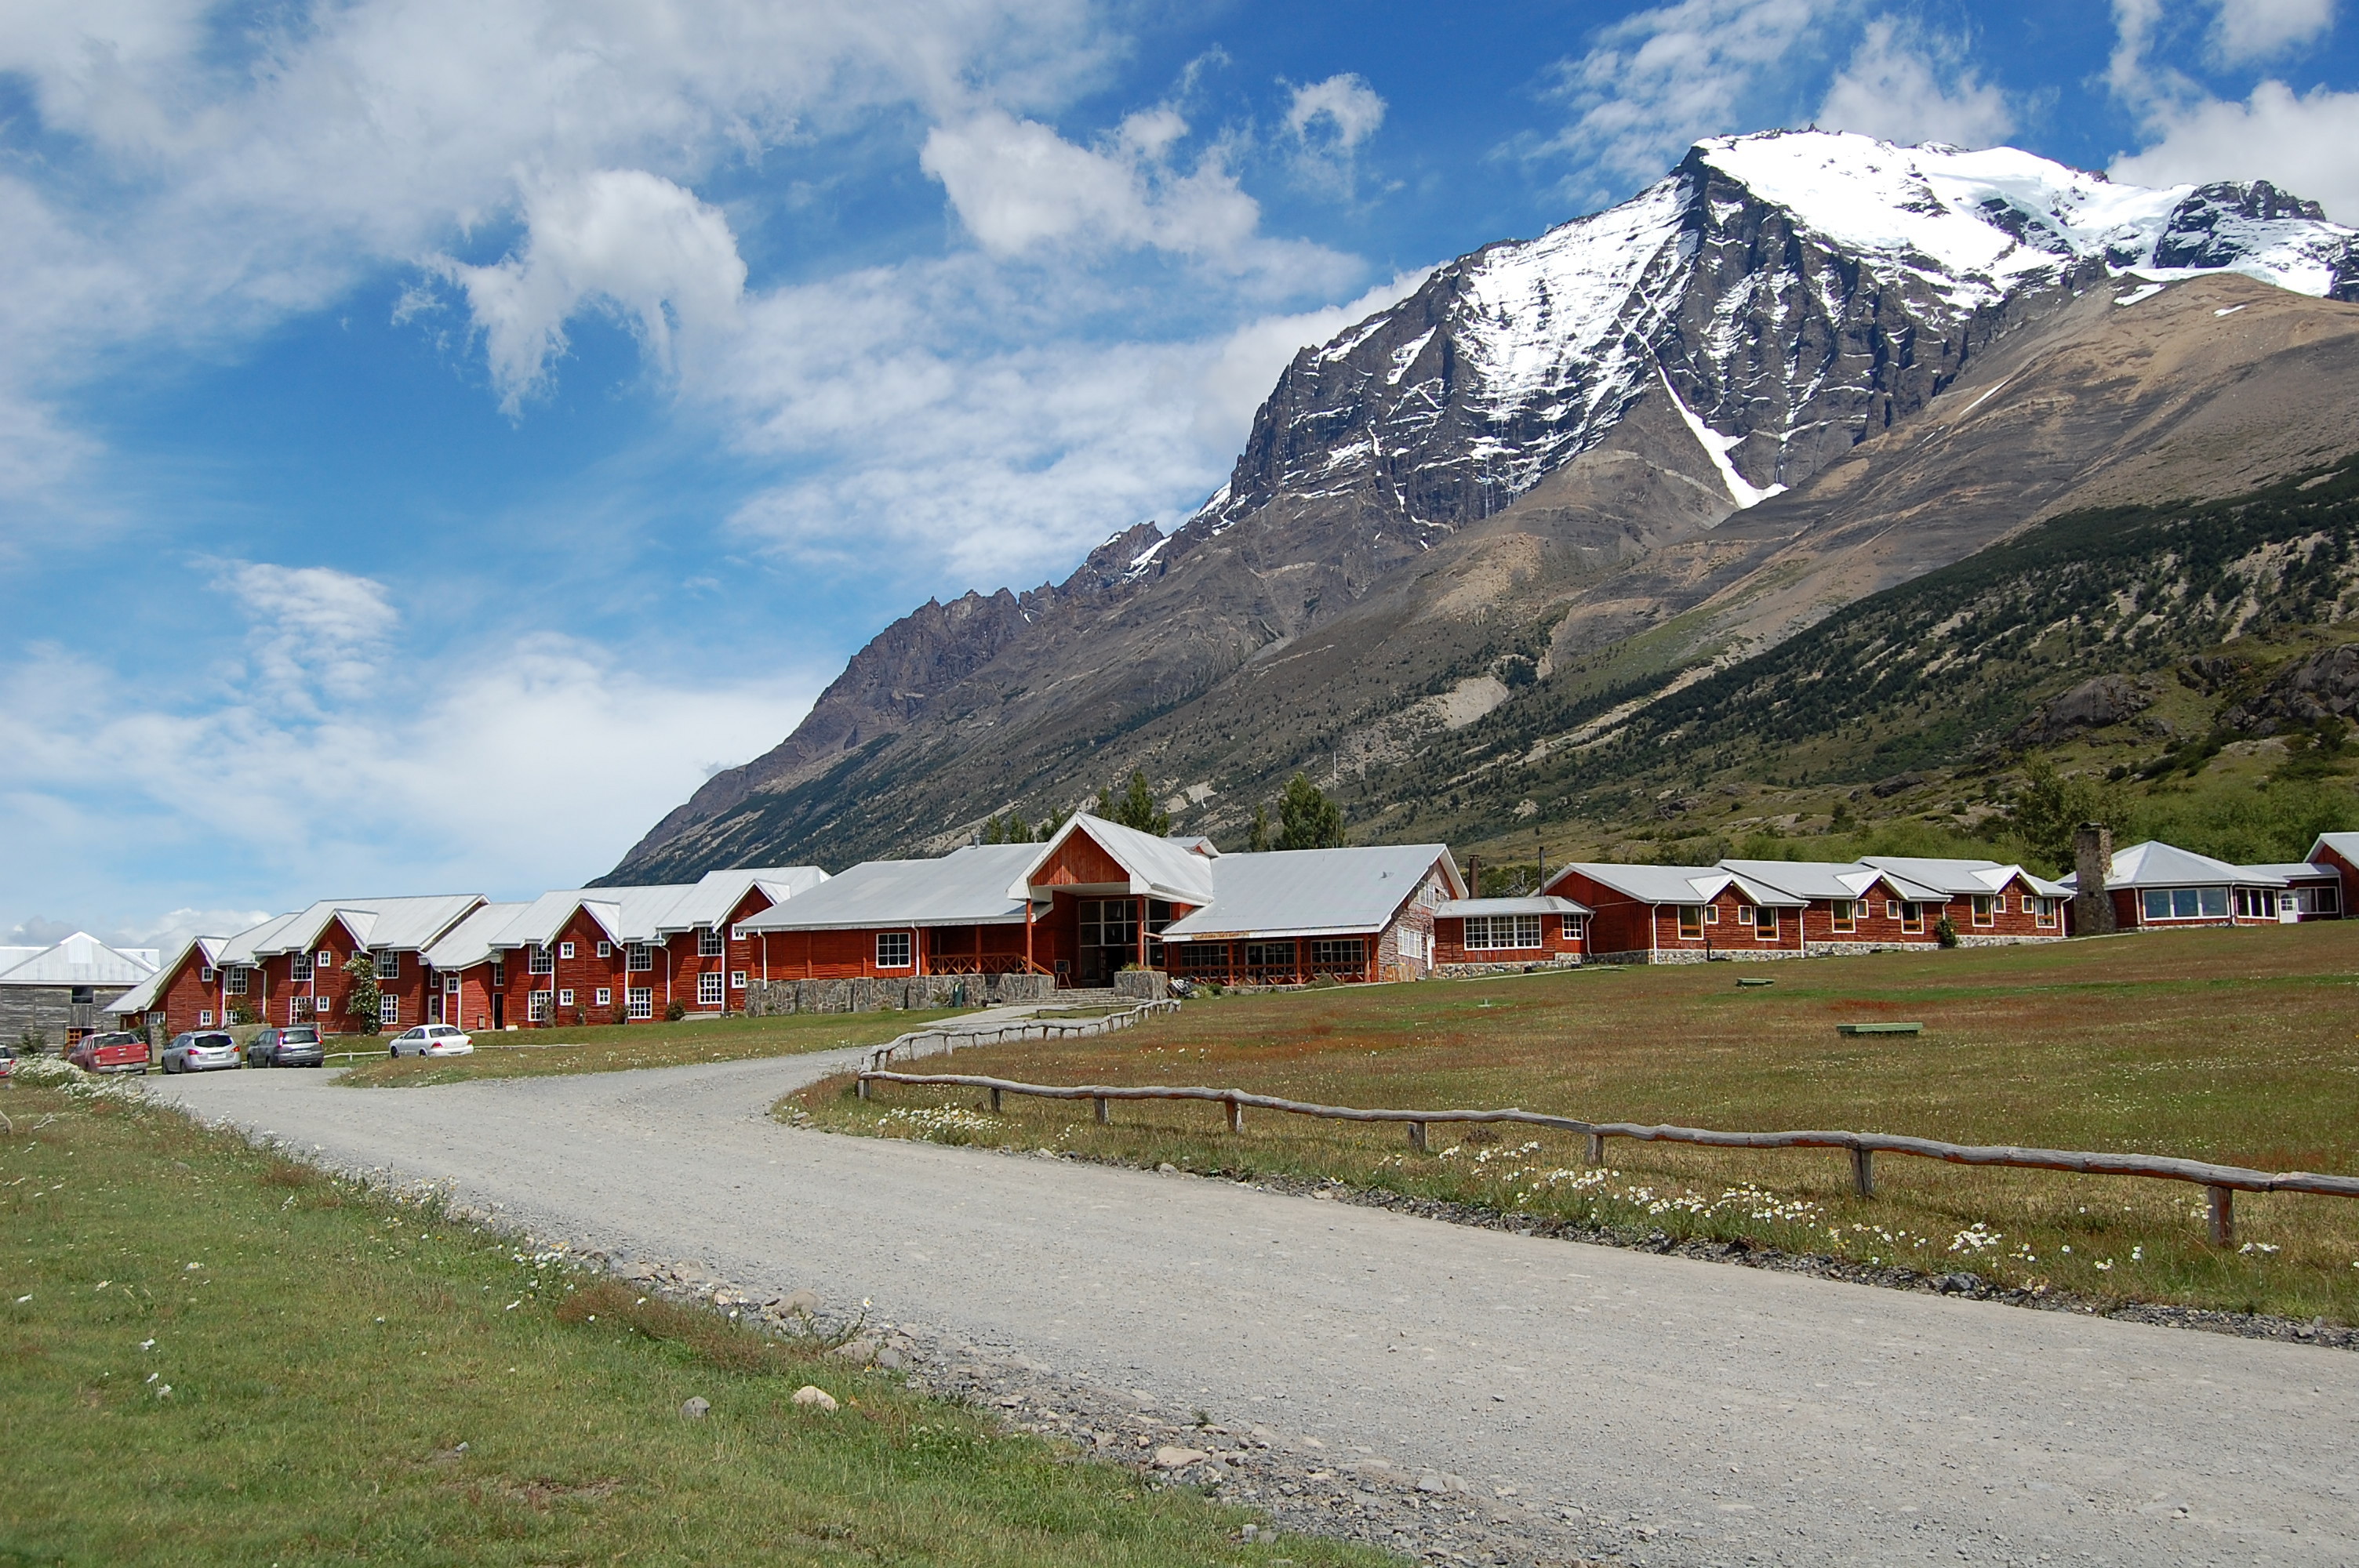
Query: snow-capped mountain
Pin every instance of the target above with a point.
(1792, 292)
(1543, 454)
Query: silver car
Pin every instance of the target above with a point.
(432, 1040)
(201, 1051)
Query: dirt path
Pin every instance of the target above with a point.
(1692, 1413)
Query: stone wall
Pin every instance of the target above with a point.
(1142, 985)
(769, 999)
(1476, 971)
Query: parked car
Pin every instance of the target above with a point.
(297, 1045)
(200, 1050)
(433, 1039)
(116, 1051)
(7, 1061)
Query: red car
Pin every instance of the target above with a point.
(118, 1050)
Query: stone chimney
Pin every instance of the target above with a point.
(2093, 863)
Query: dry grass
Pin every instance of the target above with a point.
(611, 1048)
(210, 1356)
(2234, 1047)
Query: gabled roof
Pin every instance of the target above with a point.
(246, 947)
(81, 959)
(1657, 885)
(1829, 878)
(405, 923)
(2154, 864)
(1461, 908)
(709, 899)
(1965, 877)
(474, 939)
(2344, 844)
(1312, 892)
(969, 886)
(1158, 868)
(12, 956)
(140, 998)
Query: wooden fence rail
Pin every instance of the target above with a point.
(943, 1039)
(2223, 1181)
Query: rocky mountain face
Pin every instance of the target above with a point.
(1798, 370)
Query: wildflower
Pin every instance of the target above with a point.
(2137, 1255)
(2105, 1266)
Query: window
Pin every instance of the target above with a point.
(1271, 956)
(538, 961)
(499, 974)
(2044, 911)
(2216, 900)
(233, 981)
(1200, 955)
(2155, 904)
(1912, 917)
(606, 950)
(204, 1018)
(1691, 923)
(539, 1006)
(1574, 928)
(565, 998)
(2030, 905)
(327, 959)
(388, 1011)
(893, 949)
(1712, 914)
(1891, 909)
(1764, 925)
(736, 980)
(1986, 909)
(1342, 953)
(2328, 900)
(565, 949)
(388, 965)
(708, 942)
(737, 934)
(605, 997)
(1845, 913)
(1745, 915)
(450, 985)
(1411, 944)
(1492, 932)
(708, 987)
(641, 1001)
(636, 957)
(300, 1010)
(298, 969)
(204, 974)
(1109, 923)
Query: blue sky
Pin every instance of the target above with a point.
(434, 434)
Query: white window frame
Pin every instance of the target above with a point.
(1576, 928)
(204, 974)
(565, 949)
(539, 960)
(639, 1001)
(737, 934)
(605, 997)
(1767, 925)
(1685, 924)
(450, 985)
(606, 950)
(565, 997)
(736, 980)
(233, 981)
(896, 949)
(388, 1011)
(1844, 915)
(637, 957)
(708, 942)
(388, 963)
(1745, 915)
(1985, 908)
(539, 1009)
(204, 1018)
(708, 988)
(1891, 909)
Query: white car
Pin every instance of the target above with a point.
(433, 1039)
(201, 1051)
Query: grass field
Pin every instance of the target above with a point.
(608, 1048)
(208, 1355)
(2233, 1046)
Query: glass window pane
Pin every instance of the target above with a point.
(2216, 900)
(2182, 903)
(2157, 904)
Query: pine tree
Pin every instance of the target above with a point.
(1307, 818)
(1260, 841)
(1136, 808)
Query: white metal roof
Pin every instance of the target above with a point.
(2154, 864)
(1829, 878)
(407, 923)
(81, 959)
(2292, 871)
(1158, 868)
(1461, 908)
(12, 956)
(709, 899)
(1964, 877)
(1313, 893)
(969, 886)
(474, 939)
(1655, 884)
(2344, 844)
(141, 997)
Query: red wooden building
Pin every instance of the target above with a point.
(1681, 914)
(1988, 904)
(1472, 935)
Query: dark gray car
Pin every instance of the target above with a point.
(297, 1045)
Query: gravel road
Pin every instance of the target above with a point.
(1692, 1413)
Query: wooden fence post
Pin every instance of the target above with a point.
(1236, 1116)
(1863, 1171)
(2223, 1216)
(1098, 1104)
(1596, 1149)
(864, 1085)
(995, 1099)
(1416, 1136)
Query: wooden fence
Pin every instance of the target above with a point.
(940, 1040)
(2223, 1181)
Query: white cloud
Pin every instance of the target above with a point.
(2299, 142)
(1658, 81)
(315, 631)
(1911, 91)
(2257, 29)
(1019, 186)
(1327, 122)
(623, 239)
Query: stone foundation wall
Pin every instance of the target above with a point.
(1475, 971)
(1142, 985)
(1967, 939)
(770, 998)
